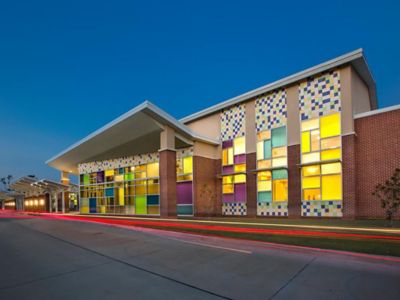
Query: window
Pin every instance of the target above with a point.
(271, 148)
(272, 186)
(184, 185)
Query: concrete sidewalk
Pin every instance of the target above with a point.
(56, 259)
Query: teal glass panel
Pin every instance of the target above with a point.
(267, 149)
(153, 200)
(279, 174)
(185, 210)
(109, 192)
(278, 136)
(264, 197)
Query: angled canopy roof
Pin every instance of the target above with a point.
(135, 132)
(30, 186)
(355, 58)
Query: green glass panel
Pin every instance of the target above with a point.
(185, 210)
(264, 197)
(141, 205)
(86, 179)
(267, 149)
(279, 174)
(279, 136)
(128, 176)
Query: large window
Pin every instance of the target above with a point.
(321, 158)
(128, 190)
(184, 186)
(234, 170)
(272, 178)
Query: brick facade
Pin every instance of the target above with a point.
(167, 183)
(294, 181)
(251, 185)
(349, 176)
(377, 156)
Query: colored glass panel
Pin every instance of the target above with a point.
(185, 210)
(278, 136)
(109, 172)
(331, 187)
(330, 125)
(109, 192)
(121, 196)
(305, 142)
(152, 170)
(263, 186)
(153, 210)
(188, 164)
(264, 164)
(266, 175)
(141, 205)
(280, 190)
(330, 154)
(264, 135)
(334, 168)
(240, 159)
(333, 142)
(230, 156)
(310, 157)
(153, 200)
(260, 150)
(240, 178)
(239, 145)
(119, 178)
(279, 174)
(278, 152)
(315, 140)
(240, 168)
(267, 149)
(311, 194)
(184, 193)
(310, 125)
(311, 182)
(279, 162)
(227, 189)
(311, 170)
(240, 192)
(264, 197)
(227, 179)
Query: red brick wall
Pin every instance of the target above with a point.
(294, 181)
(377, 156)
(168, 183)
(251, 185)
(207, 187)
(349, 176)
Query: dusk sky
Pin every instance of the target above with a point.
(69, 67)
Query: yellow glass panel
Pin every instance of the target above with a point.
(230, 156)
(333, 142)
(109, 172)
(240, 168)
(311, 171)
(310, 157)
(278, 152)
(188, 164)
(260, 150)
(239, 145)
(334, 168)
(227, 179)
(224, 157)
(140, 168)
(262, 176)
(330, 125)
(264, 164)
(311, 194)
(264, 135)
(227, 189)
(309, 125)
(264, 186)
(152, 170)
(84, 210)
(280, 190)
(331, 187)
(311, 182)
(315, 140)
(119, 177)
(330, 154)
(121, 196)
(279, 162)
(179, 166)
(152, 188)
(184, 178)
(305, 142)
(241, 178)
(140, 190)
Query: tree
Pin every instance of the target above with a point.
(6, 181)
(389, 195)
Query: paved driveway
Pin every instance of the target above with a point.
(58, 259)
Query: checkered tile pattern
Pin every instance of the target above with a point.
(184, 152)
(321, 208)
(233, 122)
(272, 209)
(271, 110)
(102, 165)
(234, 209)
(320, 96)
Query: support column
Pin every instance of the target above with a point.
(56, 202)
(50, 203)
(167, 166)
(63, 202)
(251, 160)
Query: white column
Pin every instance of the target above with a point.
(56, 201)
(63, 201)
(50, 203)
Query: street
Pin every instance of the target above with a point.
(45, 258)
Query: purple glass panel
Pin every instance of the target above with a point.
(240, 192)
(228, 198)
(240, 159)
(100, 177)
(184, 193)
(227, 144)
(227, 170)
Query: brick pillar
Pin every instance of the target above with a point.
(349, 176)
(251, 185)
(294, 173)
(207, 199)
(168, 183)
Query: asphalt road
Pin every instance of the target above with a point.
(56, 259)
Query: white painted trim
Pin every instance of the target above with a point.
(377, 111)
(338, 61)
